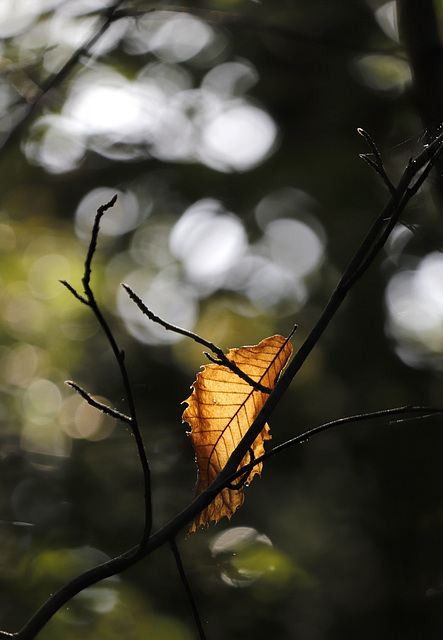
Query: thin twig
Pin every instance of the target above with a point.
(231, 471)
(376, 164)
(356, 268)
(187, 586)
(99, 405)
(385, 226)
(170, 530)
(119, 355)
(93, 244)
(75, 293)
(57, 78)
(424, 412)
(222, 359)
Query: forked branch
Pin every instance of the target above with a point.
(413, 177)
(376, 163)
(88, 298)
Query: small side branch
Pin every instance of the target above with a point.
(413, 176)
(74, 292)
(422, 411)
(363, 258)
(222, 359)
(88, 298)
(172, 528)
(187, 586)
(99, 405)
(377, 163)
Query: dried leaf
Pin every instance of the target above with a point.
(220, 411)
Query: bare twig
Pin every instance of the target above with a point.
(187, 586)
(170, 530)
(99, 405)
(74, 292)
(424, 412)
(385, 223)
(361, 261)
(358, 265)
(222, 359)
(376, 164)
(93, 245)
(89, 299)
(57, 78)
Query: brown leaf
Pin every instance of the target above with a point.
(220, 411)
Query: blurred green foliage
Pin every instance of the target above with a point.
(228, 130)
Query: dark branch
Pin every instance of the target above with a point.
(57, 78)
(404, 191)
(245, 474)
(376, 164)
(187, 586)
(89, 299)
(222, 359)
(99, 405)
(359, 264)
(73, 291)
(424, 412)
(170, 530)
(93, 244)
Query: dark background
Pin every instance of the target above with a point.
(229, 131)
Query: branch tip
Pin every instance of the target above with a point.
(377, 163)
(103, 408)
(108, 205)
(75, 293)
(293, 330)
(222, 359)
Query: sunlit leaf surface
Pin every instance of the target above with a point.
(220, 411)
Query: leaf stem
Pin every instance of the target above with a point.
(376, 164)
